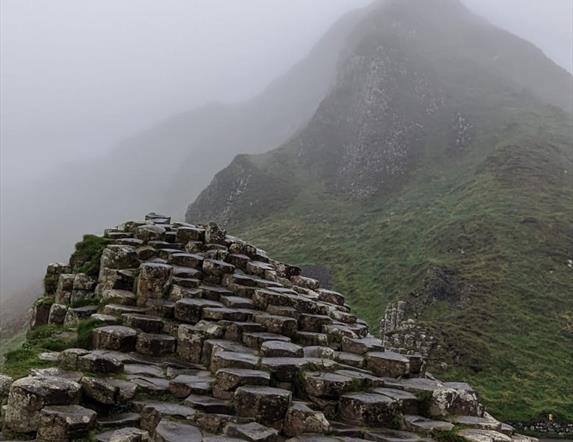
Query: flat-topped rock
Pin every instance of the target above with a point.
(168, 431)
(266, 404)
(190, 310)
(368, 409)
(230, 359)
(281, 349)
(115, 337)
(388, 364)
(253, 432)
(301, 419)
(145, 323)
(208, 404)
(108, 391)
(153, 412)
(63, 423)
(155, 344)
(29, 395)
(326, 385)
(421, 424)
(228, 379)
(184, 385)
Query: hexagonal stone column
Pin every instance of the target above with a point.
(266, 404)
(368, 409)
(65, 423)
(29, 395)
(388, 364)
(115, 337)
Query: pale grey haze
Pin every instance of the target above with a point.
(80, 78)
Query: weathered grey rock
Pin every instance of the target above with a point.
(253, 432)
(388, 364)
(114, 337)
(302, 419)
(281, 349)
(231, 359)
(119, 420)
(145, 323)
(75, 315)
(57, 314)
(121, 297)
(189, 344)
(208, 404)
(352, 359)
(362, 346)
(368, 409)
(266, 404)
(63, 423)
(407, 402)
(100, 362)
(190, 310)
(216, 269)
(190, 233)
(129, 434)
(149, 232)
(5, 383)
(53, 273)
(153, 282)
(330, 296)
(227, 380)
(184, 385)
(155, 344)
(149, 385)
(29, 395)
(118, 257)
(168, 431)
(64, 288)
(256, 339)
(455, 398)
(282, 325)
(421, 424)
(318, 351)
(326, 385)
(153, 412)
(41, 311)
(108, 391)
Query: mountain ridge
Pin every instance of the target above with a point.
(452, 170)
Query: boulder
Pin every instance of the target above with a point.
(155, 344)
(108, 391)
(253, 432)
(64, 423)
(368, 409)
(29, 395)
(114, 337)
(388, 364)
(168, 431)
(153, 282)
(300, 419)
(266, 404)
(227, 380)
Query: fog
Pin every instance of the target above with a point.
(79, 79)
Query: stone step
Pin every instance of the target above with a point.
(153, 412)
(368, 409)
(281, 349)
(145, 323)
(267, 405)
(227, 380)
(184, 385)
(255, 340)
(208, 404)
(114, 337)
(118, 310)
(121, 297)
(121, 420)
(155, 344)
(424, 425)
(65, 423)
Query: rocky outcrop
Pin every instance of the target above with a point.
(214, 340)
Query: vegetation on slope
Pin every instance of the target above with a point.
(499, 221)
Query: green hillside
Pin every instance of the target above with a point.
(434, 173)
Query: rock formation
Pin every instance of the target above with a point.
(198, 335)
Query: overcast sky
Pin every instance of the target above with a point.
(77, 76)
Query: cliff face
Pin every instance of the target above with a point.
(180, 332)
(443, 153)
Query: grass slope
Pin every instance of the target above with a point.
(499, 218)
